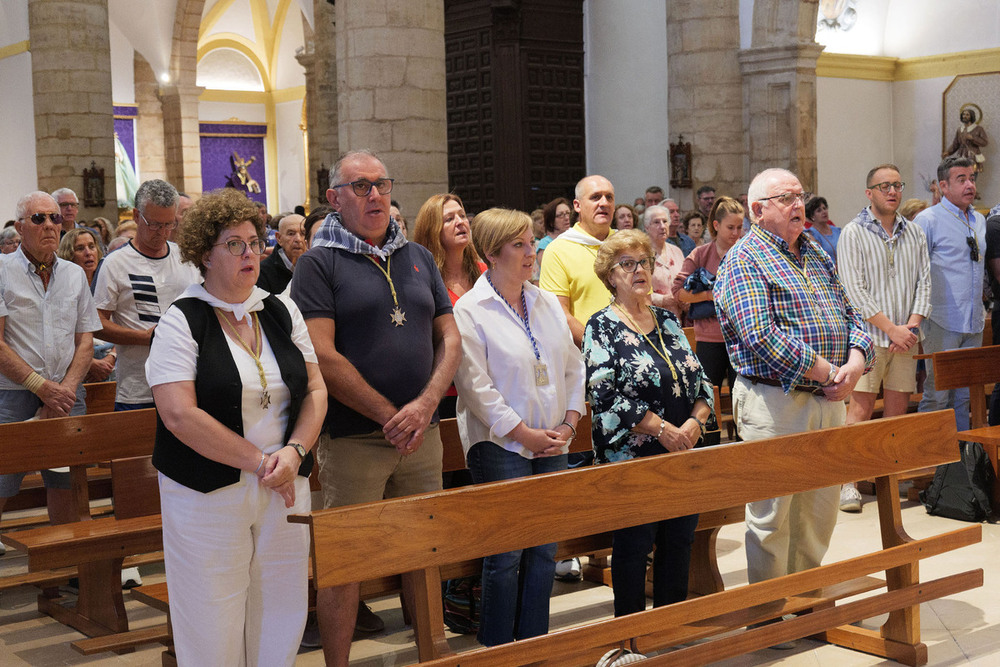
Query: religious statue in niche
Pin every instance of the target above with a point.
(93, 186)
(837, 14)
(241, 178)
(970, 137)
(680, 163)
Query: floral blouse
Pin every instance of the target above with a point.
(626, 377)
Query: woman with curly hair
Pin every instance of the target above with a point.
(240, 401)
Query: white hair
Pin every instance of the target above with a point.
(760, 187)
(655, 208)
(25, 202)
(64, 191)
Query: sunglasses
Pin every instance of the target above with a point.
(973, 248)
(39, 218)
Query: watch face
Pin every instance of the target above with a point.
(300, 449)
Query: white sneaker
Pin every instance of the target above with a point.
(850, 499)
(131, 578)
(569, 570)
(3, 548)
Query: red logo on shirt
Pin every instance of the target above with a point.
(415, 268)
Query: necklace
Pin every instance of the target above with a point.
(540, 369)
(265, 397)
(971, 240)
(662, 350)
(397, 316)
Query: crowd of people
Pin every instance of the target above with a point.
(347, 339)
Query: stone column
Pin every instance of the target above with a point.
(779, 89)
(705, 95)
(182, 142)
(319, 59)
(150, 158)
(71, 78)
(391, 91)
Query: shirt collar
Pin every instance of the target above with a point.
(948, 206)
(867, 218)
(26, 264)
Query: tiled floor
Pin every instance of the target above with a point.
(960, 630)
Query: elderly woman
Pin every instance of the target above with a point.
(625, 217)
(822, 231)
(669, 260)
(9, 240)
(82, 247)
(520, 390)
(726, 228)
(649, 395)
(240, 401)
(693, 225)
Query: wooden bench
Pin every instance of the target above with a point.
(93, 550)
(423, 534)
(976, 369)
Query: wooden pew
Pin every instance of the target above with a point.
(95, 548)
(423, 534)
(976, 369)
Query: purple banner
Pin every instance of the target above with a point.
(234, 161)
(125, 129)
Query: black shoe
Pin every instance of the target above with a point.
(310, 636)
(368, 621)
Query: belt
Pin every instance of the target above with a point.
(816, 391)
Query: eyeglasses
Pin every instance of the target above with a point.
(239, 246)
(887, 186)
(157, 226)
(40, 218)
(69, 204)
(630, 265)
(362, 187)
(973, 248)
(564, 214)
(787, 198)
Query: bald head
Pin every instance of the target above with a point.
(291, 237)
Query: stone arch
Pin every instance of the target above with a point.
(184, 47)
(180, 100)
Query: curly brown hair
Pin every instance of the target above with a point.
(209, 216)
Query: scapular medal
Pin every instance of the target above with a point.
(541, 374)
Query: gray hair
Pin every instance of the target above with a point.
(64, 191)
(25, 202)
(760, 185)
(656, 208)
(155, 192)
(8, 233)
(337, 174)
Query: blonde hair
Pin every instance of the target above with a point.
(427, 232)
(724, 206)
(615, 245)
(495, 227)
(65, 250)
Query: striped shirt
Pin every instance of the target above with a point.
(885, 274)
(778, 313)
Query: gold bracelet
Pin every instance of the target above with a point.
(33, 382)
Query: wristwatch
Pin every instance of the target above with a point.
(702, 424)
(299, 449)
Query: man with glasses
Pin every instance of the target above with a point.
(799, 348)
(69, 207)
(956, 243)
(883, 263)
(135, 286)
(47, 320)
(380, 318)
(706, 198)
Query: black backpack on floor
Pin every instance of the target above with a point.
(962, 490)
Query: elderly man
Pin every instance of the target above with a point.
(135, 286)
(47, 320)
(568, 263)
(69, 207)
(883, 263)
(276, 269)
(380, 318)
(799, 348)
(956, 242)
(674, 234)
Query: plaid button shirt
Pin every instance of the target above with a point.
(778, 313)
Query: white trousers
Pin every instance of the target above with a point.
(791, 533)
(237, 572)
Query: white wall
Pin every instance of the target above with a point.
(18, 169)
(291, 156)
(625, 84)
(854, 132)
(219, 112)
(122, 68)
(917, 132)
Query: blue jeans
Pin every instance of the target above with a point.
(671, 562)
(123, 407)
(517, 584)
(938, 339)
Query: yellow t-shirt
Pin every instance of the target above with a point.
(568, 270)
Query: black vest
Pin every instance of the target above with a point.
(219, 391)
